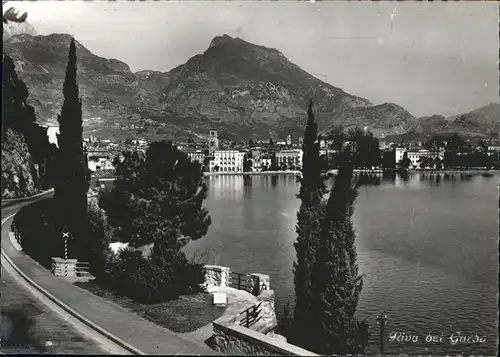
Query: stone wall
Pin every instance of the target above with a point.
(233, 339)
(216, 276)
(219, 276)
(268, 319)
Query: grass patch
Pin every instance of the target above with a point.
(185, 314)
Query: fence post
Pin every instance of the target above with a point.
(239, 281)
(247, 323)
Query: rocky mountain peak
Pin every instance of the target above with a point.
(224, 39)
(17, 28)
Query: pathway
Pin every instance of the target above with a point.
(127, 326)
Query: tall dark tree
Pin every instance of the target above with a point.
(367, 151)
(247, 163)
(312, 189)
(336, 282)
(405, 161)
(72, 182)
(274, 163)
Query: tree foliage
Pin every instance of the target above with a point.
(367, 151)
(247, 163)
(72, 181)
(312, 189)
(18, 115)
(405, 161)
(336, 282)
(157, 198)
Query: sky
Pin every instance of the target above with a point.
(429, 57)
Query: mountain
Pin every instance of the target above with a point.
(481, 122)
(384, 119)
(106, 85)
(16, 28)
(242, 89)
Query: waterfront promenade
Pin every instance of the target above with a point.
(142, 335)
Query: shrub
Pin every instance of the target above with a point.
(153, 280)
(34, 223)
(98, 238)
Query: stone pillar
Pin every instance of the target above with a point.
(58, 267)
(217, 276)
(268, 313)
(261, 282)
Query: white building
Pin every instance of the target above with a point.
(195, 155)
(99, 160)
(52, 132)
(266, 161)
(415, 155)
(227, 161)
(289, 159)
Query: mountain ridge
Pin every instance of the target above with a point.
(240, 88)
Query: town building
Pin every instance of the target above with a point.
(195, 155)
(256, 159)
(301, 142)
(289, 140)
(99, 160)
(289, 159)
(52, 132)
(227, 161)
(266, 161)
(213, 141)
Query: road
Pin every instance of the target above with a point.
(28, 326)
(32, 323)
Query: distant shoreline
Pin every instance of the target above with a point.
(455, 171)
(253, 173)
(334, 171)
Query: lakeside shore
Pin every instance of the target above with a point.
(379, 171)
(254, 173)
(473, 171)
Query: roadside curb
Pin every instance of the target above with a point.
(12, 201)
(65, 307)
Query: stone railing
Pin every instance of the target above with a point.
(251, 331)
(260, 317)
(221, 277)
(217, 276)
(232, 339)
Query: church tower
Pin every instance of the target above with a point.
(213, 141)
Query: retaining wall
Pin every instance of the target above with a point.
(233, 339)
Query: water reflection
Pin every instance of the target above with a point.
(369, 180)
(274, 181)
(421, 237)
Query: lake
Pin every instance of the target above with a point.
(427, 247)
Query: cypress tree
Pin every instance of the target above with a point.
(312, 189)
(72, 182)
(336, 280)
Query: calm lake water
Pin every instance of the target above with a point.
(427, 247)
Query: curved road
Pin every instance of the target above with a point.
(51, 329)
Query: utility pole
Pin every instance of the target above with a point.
(381, 321)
